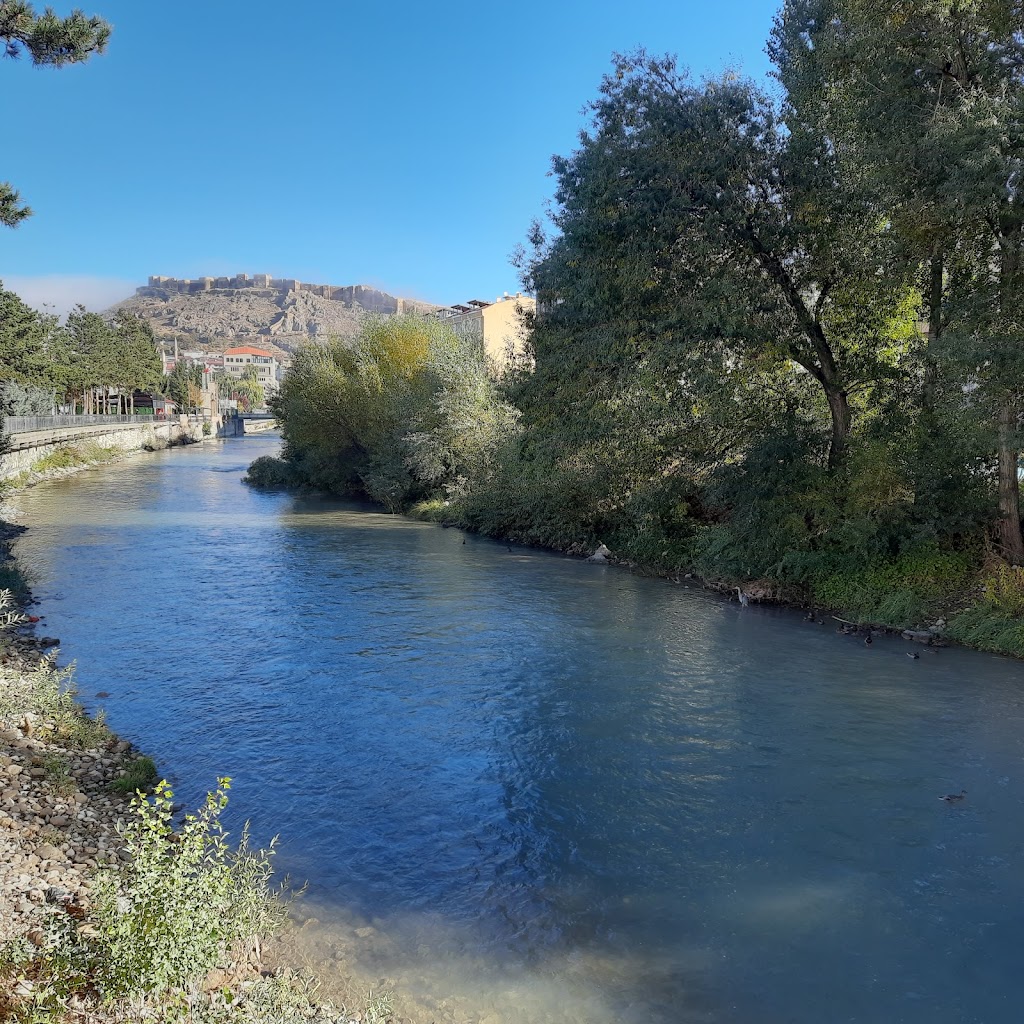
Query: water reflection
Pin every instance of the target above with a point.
(531, 789)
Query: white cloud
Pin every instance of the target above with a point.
(59, 293)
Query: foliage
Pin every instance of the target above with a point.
(25, 399)
(50, 41)
(249, 390)
(184, 902)
(406, 410)
(24, 338)
(47, 693)
(927, 102)
(898, 592)
(271, 474)
(184, 385)
(989, 630)
(69, 456)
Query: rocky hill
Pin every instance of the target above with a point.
(273, 313)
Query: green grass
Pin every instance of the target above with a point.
(141, 776)
(71, 456)
(434, 510)
(988, 629)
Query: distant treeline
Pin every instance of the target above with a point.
(780, 333)
(88, 363)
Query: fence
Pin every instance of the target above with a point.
(24, 424)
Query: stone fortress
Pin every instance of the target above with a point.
(369, 299)
(285, 309)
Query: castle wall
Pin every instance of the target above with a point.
(350, 295)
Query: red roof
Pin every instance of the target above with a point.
(248, 350)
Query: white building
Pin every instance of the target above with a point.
(268, 369)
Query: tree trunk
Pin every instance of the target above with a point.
(1010, 538)
(935, 286)
(842, 421)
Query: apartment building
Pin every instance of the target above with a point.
(501, 326)
(268, 369)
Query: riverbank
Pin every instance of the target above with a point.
(931, 598)
(111, 908)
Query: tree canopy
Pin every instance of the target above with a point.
(49, 41)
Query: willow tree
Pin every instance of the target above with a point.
(929, 99)
(695, 206)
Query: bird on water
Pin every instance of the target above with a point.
(952, 798)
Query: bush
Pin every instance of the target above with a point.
(184, 903)
(269, 473)
(184, 899)
(895, 592)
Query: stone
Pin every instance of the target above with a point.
(47, 852)
(921, 636)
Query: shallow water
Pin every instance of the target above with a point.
(523, 788)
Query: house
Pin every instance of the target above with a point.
(268, 369)
(502, 326)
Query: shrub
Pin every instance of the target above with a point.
(183, 903)
(897, 592)
(47, 693)
(271, 474)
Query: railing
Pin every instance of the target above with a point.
(25, 424)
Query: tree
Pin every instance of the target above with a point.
(24, 335)
(184, 384)
(930, 98)
(249, 389)
(137, 363)
(89, 359)
(405, 412)
(697, 211)
(50, 41)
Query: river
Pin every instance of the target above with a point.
(523, 788)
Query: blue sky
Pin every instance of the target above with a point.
(404, 145)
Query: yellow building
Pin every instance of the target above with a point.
(500, 326)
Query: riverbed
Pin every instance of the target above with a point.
(525, 788)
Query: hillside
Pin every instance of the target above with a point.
(277, 314)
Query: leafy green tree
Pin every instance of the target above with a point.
(184, 385)
(694, 217)
(405, 412)
(136, 361)
(249, 389)
(49, 41)
(929, 98)
(88, 359)
(24, 335)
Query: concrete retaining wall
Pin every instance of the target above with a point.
(28, 449)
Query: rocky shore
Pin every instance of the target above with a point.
(71, 834)
(59, 819)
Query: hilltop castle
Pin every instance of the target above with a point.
(351, 296)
